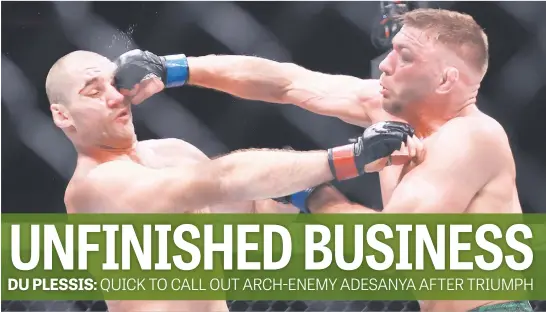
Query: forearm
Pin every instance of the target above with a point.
(246, 77)
(329, 200)
(262, 174)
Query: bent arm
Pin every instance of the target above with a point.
(459, 163)
(462, 160)
(348, 98)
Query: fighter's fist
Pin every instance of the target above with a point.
(141, 74)
(371, 152)
(412, 150)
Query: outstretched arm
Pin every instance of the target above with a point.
(239, 176)
(247, 175)
(348, 98)
(463, 158)
(351, 99)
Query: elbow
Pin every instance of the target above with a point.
(289, 84)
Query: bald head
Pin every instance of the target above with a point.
(68, 71)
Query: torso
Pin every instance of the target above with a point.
(499, 195)
(157, 154)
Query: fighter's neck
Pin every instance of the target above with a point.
(426, 127)
(103, 153)
(426, 124)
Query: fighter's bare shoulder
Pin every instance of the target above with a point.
(129, 170)
(478, 139)
(115, 184)
(126, 183)
(476, 129)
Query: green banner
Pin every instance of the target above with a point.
(273, 257)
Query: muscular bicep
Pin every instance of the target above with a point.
(254, 78)
(128, 187)
(458, 164)
(350, 99)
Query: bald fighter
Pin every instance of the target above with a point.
(430, 79)
(116, 173)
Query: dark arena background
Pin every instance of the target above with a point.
(331, 37)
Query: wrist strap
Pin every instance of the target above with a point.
(177, 70)
(342, 162)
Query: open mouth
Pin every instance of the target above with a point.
(124, 114)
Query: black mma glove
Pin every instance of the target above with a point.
(137, 65)
(379, 140)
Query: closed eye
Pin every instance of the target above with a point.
(405, 59)
(91, 92)
(405, 56)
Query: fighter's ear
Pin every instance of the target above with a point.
(61, 116)
(449, 77)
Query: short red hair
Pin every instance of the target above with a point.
(457, 30)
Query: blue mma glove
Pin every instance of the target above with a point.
(137, 65)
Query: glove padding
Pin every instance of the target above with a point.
(137, 65)
(381, 140)
(378, 141)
